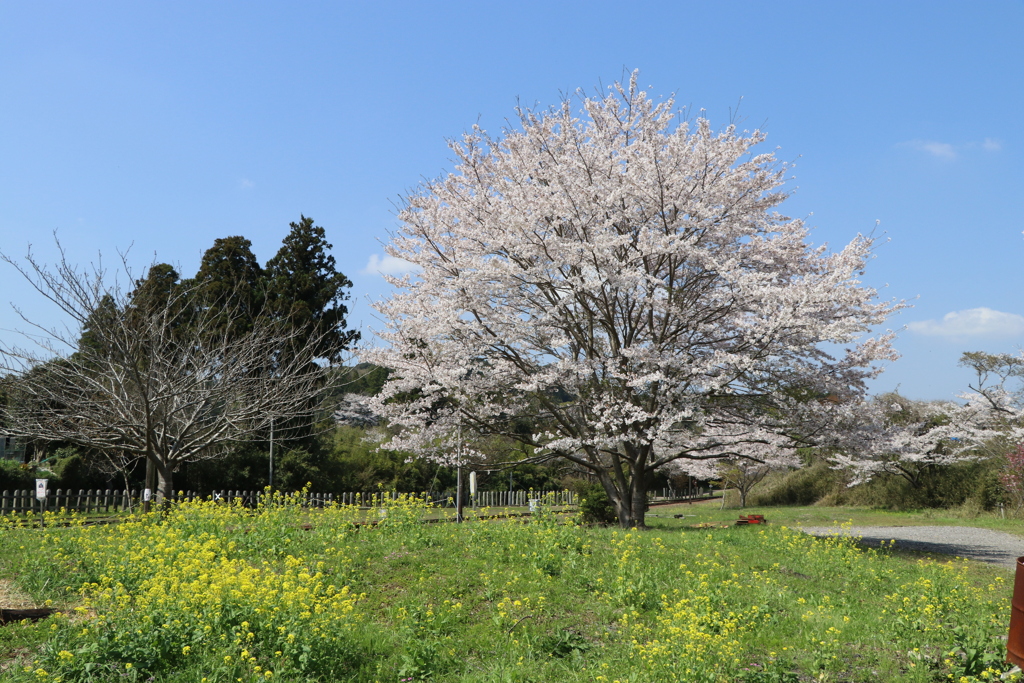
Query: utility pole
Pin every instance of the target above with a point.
(458, 478)
(271, 480)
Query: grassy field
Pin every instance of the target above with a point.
(217, 593)
(813, 515)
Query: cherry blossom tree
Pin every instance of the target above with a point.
(997, 392)
(905, 438)
(744, 465)
(894, 435)
(620, 276)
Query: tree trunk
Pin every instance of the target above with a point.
(630, 500)
(159, 480)
(165, 482)
(150, 482)
(639, 512)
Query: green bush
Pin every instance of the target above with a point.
(15, 477)
(595, 505)
(974, 485)
(245, 467)
(888, 492)
(72, 470)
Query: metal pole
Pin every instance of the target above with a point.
(458, 478)
(271, 481)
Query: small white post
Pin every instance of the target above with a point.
(41, 496)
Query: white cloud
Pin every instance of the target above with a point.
(246, 184)
(389, 265)
(949, 152)
(973, 322)
(940, 150)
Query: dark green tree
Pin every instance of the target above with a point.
(151, 292)
(229, 271)
(91, 337)
(306, 290)
(161, 295)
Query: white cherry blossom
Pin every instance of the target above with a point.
(620, 275)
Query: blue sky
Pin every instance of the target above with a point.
(162, 126)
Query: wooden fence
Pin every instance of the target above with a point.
(108, 501)
(691, 493)
(16, 502)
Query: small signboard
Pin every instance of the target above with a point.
(146, 495)
(41, 489)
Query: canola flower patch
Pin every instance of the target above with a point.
(219, 593)
(157, 592)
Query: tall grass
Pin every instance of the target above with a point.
(211, 592)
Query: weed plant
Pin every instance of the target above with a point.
(220, 593)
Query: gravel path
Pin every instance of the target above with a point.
(985, 545)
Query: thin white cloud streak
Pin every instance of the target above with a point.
(939, 150)
(947, 151)
(972, 322)
(389, 265)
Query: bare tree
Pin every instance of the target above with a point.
(153, 372)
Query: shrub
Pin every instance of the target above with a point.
(595, 506)
(974, 485)
(72, 470)
(15, 476)
(971, 484)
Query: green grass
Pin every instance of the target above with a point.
(365, 515)
(19, 641)
(813, 515)
(225, 594)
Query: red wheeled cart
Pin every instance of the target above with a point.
(751, 519)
